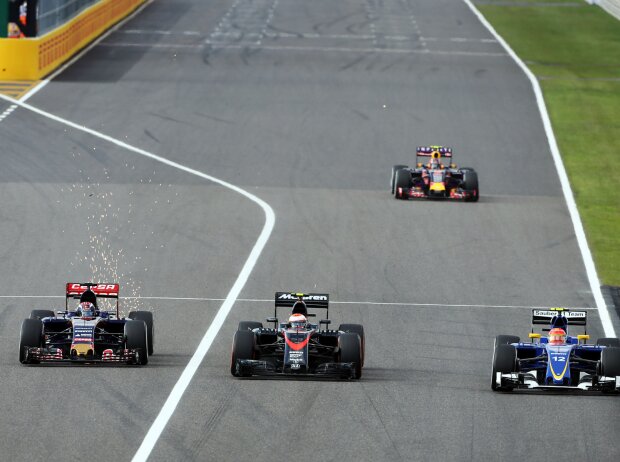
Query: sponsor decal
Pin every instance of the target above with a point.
(296, 346)
(303, 297)
(567, 314)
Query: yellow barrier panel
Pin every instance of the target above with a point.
(33, 58)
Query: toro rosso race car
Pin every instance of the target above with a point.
(558, 361)
(298, 347)
(87, 334)
(434, 179)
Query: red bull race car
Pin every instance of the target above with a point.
(435, 179)
(87, 334)
(557, 361)
(298, 347)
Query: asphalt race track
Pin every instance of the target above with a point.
(307, 105)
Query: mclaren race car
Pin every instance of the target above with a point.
(556, 361)
(298, 347)
(87, 334)
(434, 179)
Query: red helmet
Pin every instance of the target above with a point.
(557, 336)
(297, 320)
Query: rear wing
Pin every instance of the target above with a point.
(104, 290)
(559, 317)
(428, 151)
(312, 301)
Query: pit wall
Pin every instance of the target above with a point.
(33, 58)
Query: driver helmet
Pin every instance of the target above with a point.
(86, 310)
(298, 321)
(557, 336)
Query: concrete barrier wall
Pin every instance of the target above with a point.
(33, 58)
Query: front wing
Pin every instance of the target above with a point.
(527, 381)
(250, 367)
(35, 355)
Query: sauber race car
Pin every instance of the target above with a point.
(557, 361)
(87, 334)
(298, 347)
(434, 179)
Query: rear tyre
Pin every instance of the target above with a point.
(147, 317)
(470, 184)
(136, 338)
(610, 362)
(351, 351)
(608, 342)
(242, 348)
(249, 325)
(359, 330)
(402, 180)
(393, 177)
(31, 336)
(504, 361)
(40, 314)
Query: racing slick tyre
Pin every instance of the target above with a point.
(402, 180)
(249, 325)
(610, 362)
(31, 336)
(242, 348)
(40, 314)
(359, 330)
(504, 361)
(470, 184)
(608, 342)
(506, 339)
(147, 317)
(393, 177)
(351, 351)
(136, 338)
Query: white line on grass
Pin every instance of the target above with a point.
(566, 189)
(179, 388)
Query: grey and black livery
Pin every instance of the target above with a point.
(311, 350)
(569, 365)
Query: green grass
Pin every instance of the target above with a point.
(575, 53)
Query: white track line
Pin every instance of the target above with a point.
(333, 302)
(179, 388)
(566, 189)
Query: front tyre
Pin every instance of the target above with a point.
(610, 362)
(402, 181)
(470, 184)
(242, 348)
(136, 338)
(393, 177)
(147, 317)
(608, 342)
(359, 330)
(40, 314)
(31, 336)
(504, 362)
(249, 325)
(351, 351)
